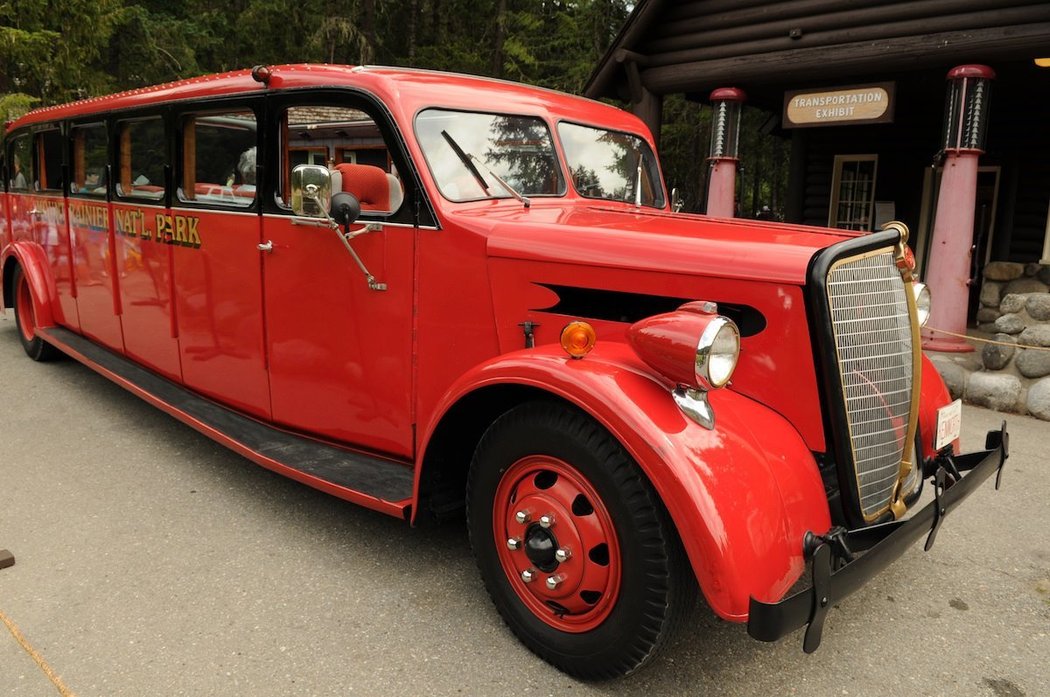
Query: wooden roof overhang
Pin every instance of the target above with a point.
(694, 46)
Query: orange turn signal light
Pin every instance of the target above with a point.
(577, 338)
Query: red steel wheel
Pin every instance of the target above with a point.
(24, 312)
(556, 524)
(574, 546)
(25, 317)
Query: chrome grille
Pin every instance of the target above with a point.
(873, 342)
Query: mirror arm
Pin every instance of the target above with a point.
(345, 236)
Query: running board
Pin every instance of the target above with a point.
(377, 483)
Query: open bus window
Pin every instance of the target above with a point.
(219, 158)
(20, 159)
(349, 142)
(142, 159)
(90, 150)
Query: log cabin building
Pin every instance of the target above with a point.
(860, 91)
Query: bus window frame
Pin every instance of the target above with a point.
(96, 120)
(416, 209)
(255, 104)
(9, 143)
(40, 169)
(116, 120)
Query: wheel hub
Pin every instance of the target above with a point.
(540, 547)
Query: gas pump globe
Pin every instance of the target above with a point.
(966, 108)
(728, 104)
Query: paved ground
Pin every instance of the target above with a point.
(151, 561)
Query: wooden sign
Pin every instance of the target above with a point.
(838, 106)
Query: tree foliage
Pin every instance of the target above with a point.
(52, 52)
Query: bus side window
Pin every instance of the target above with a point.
(142, 158)
(49, 160)
(20, 163)
(90, 152)
(351, 144)
(219, 158)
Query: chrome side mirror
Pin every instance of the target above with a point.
(676, 201)
(311, 191)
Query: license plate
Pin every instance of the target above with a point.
(949, 423)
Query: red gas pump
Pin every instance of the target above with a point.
(728, 103)
(965, 130)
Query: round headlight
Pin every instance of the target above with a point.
(922, 302)
(717, 353)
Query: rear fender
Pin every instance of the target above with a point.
(33, 260)
(741, 496)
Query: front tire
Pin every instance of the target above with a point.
(25, 317)
(573, 545)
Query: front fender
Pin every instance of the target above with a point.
(33, 260)
(933, 394)
(741, 496)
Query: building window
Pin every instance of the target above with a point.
(853, 192)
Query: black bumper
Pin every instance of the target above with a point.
(884, 543)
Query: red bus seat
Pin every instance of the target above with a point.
(368, 183)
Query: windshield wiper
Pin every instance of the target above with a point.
(468, 159)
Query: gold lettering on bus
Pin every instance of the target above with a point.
(51, 211)
(181, 230)
(130, 223)
(94, 217)
(178, 229)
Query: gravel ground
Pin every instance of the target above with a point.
(151, 561)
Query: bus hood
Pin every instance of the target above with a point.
(656, 241)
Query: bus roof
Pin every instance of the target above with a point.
(402, 89)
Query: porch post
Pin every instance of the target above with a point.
(948, 275)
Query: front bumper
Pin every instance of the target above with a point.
(833, 581)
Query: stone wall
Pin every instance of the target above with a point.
(1014, 373)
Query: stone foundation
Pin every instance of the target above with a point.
(1015, 311)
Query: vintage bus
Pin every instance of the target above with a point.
(434, 294)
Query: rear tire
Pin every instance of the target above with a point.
(25, 317)
(625, 584)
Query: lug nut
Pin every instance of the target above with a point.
(563, 554)
(546, 521)
(522, 517)
(528, 575)
(554, 581)
(514, 544)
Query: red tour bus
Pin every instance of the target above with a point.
(430, 294)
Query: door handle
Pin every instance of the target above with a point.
(266, 246)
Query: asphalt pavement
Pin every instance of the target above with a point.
(152, 561)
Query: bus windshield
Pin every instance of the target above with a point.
(611, 165)
(469, 153)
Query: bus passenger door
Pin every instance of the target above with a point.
(215, 228)
(37, 210)
(340, 352)
(91, 235)
(143, 250)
